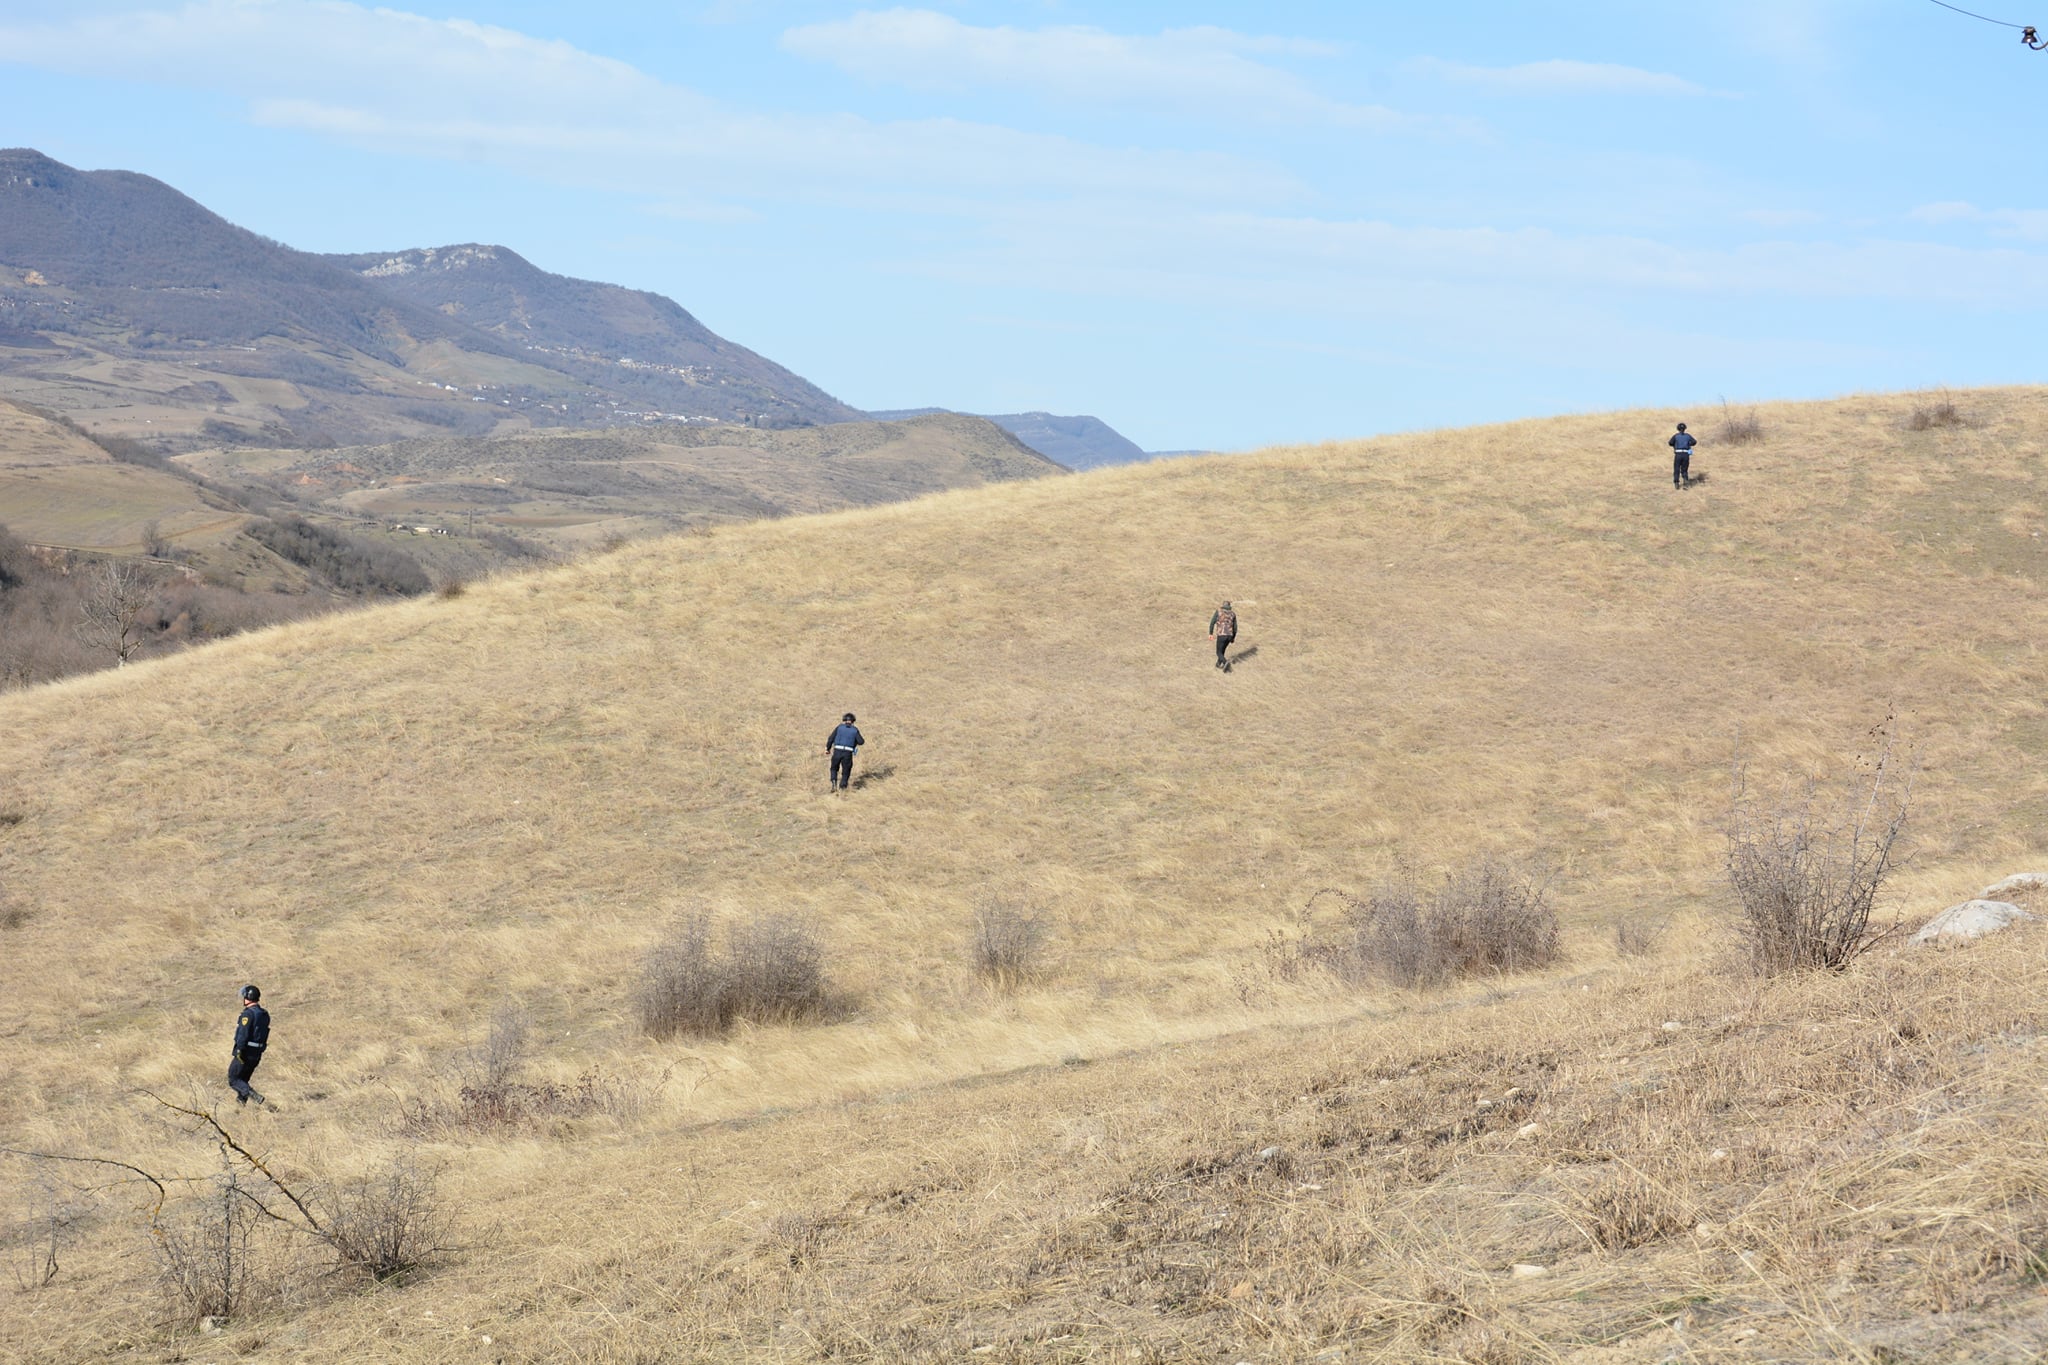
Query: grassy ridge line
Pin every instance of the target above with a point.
(1514, 637)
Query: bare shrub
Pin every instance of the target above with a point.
(452, 589)
(206, 1264)
(1937, 412)
(1739, 428)
(493, 1063)
(1008, 943)
(1806, 866)
(775, 968)
(1492, 916)
(39, 1228)
(768, 969)
(1638, 937)
(388, 1223)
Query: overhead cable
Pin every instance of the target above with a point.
(2028, 34)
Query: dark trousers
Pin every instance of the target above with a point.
(1223, 643)
(239, 1072)
(842, 769)
(1681, 468)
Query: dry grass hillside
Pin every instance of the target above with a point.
(1516, 640)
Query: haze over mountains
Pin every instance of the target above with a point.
(137, 312)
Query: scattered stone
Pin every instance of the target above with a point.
(1485, 1105)
(1971, 919)
(2017, 883)
(1529, 1130)
(1268, 1153)
(1718, 1154)
(1705, 1231)
(213, 1327)
(1673, 1026)
(1524, 1271)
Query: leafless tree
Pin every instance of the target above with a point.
(116, 594)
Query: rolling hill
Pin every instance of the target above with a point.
(1175, 1143)
(136, 311)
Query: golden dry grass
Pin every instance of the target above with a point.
(1514, 639)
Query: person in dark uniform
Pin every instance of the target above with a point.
(845, 739)
(252, 1035)
(1223, 628)
(1681, 457)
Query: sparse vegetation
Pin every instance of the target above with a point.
(1739, 428)
(388, 1223)
(1007, 943)
(1491, 916)
(350, 564)
(1806, 865)
(769, 969)
(1934, 414)
(1638, 935)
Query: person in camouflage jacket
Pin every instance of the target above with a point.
(1223, 629)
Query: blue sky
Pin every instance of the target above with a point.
(1212, 225)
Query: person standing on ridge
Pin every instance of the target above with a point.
(252, 1035)
(1681, 457)
(1223, 629)
(845, 739)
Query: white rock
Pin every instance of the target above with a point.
(213, 1326)
(1673, 1026)
(1529, 1130)
(2018, 881)
(1718, 1154)
(1524, 1271)
(1971, 919)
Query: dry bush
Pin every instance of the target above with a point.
(1806, 867)
(1631, 1208)
(1739, 428)
(1008, 943)
(1492, 916)
(771, 968)
(387, 1224)
(1638, 937)
(207, 1263)
(1938, 412)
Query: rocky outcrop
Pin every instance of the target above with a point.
(1970, 920)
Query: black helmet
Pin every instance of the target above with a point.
(848, 718)
(1681, 426)
(251, 994)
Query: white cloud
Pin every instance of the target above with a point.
(403, 83)
(1562, 77)
(1200, 69)
(1782, 218)
(2029, 225)
(1365, 268)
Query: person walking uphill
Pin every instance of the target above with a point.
(1223, 627)
(845, 739)
(252, 1035)
(1681, 457)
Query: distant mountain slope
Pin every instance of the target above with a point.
(575, 489)
(133, 309)
(1076, 442)
(625, 339)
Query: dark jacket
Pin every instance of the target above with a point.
(252, 1031)
(845, 737)
(1683, 442)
